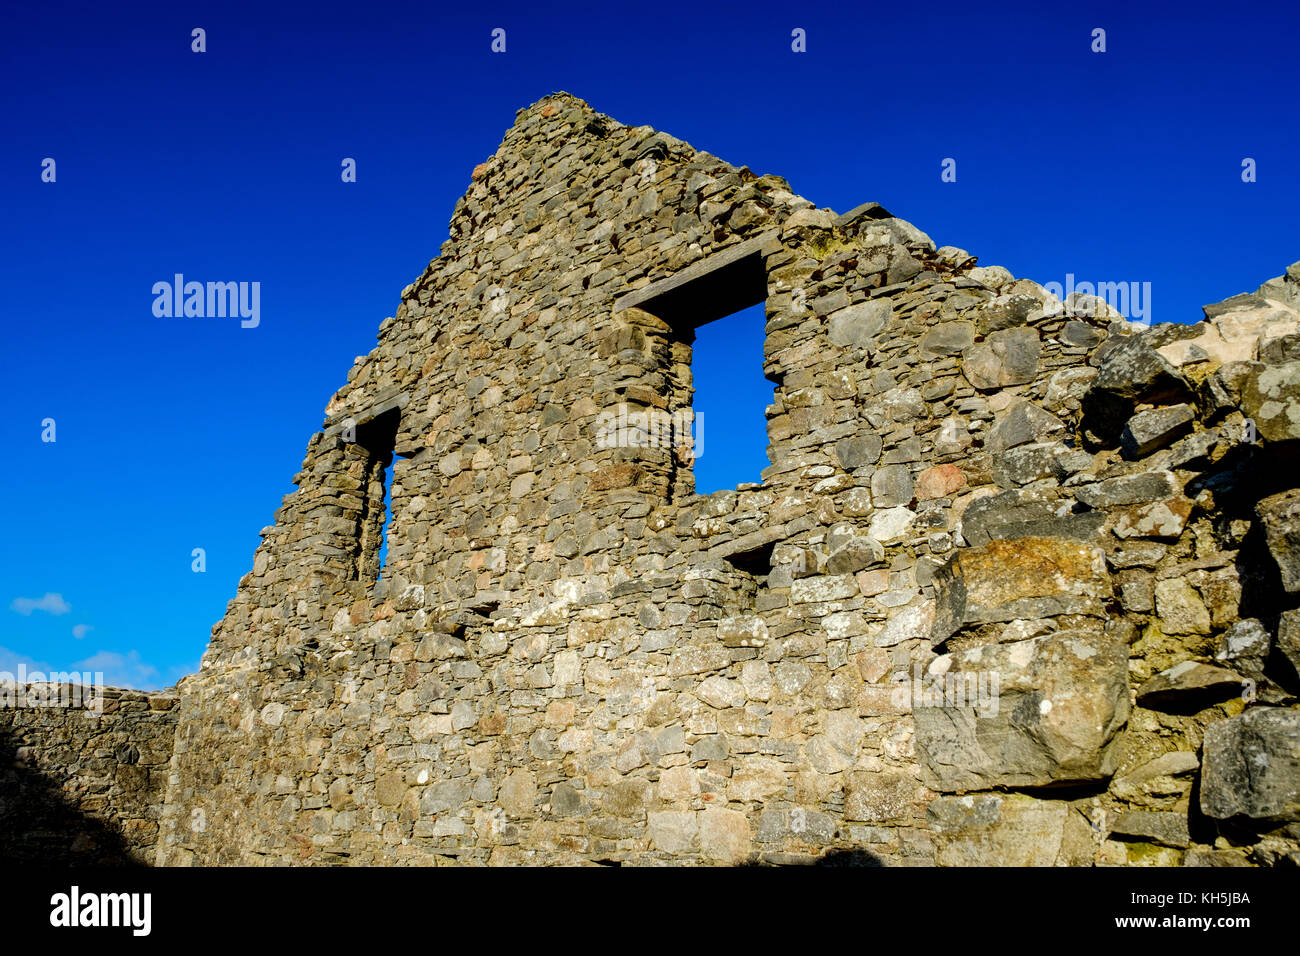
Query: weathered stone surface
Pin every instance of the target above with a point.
(1023, 423)
(1028, 463)
(1128, 490)
(1006, 357)
(1188, 682)
(1013, 829)
(891, 486)
(857, 326)
(891, 524)
(1156, 780)
(857, 452)
(1158, 519)
(1280, 515)
(1245, 647)
(1155, 428)
(1169, 829)
(674, 831)
(724, 835)
(518, 792)
(1251, 766)
(1061, 701)
(1180, 608)
(939, 482)
(881, 797)
(1018, 514)
(913, 623)
(950, 338)
(744, 631)
(823, 588)
(1288, 638)
(1009, 310)
(855, 554)
(1027, 577)
(1133, 369)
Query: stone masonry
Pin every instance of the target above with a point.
(83, 785)
(1021, 584)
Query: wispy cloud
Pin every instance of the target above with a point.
(53, 603)
(81, 630)
(10, 660)
(122, 670)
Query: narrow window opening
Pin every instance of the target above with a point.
(377, 438)
(730, 401)
(386, 527)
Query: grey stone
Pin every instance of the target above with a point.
(1157, 780)
(1155, 826)
(855, 554)
(1006, 357)
(1280, 515)
(1061, 702)
(1081, 334)
(1028, 463)
(1132, 369)
(1155, 428)
(859, 451)
(881, 797)
(1180, 608)
(891, 486)
(805, 826)
(1007, 311)
(1188, 681)
(949, 338)
(858, 325)
(1017, 514)
(1251, 767)
(1246, 645)
(1129, 489)
(1288, 639)
(445, 795)
(1023, 423)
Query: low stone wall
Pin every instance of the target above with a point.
(79, 787)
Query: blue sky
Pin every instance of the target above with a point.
(181, 433)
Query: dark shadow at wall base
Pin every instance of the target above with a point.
(38, 827)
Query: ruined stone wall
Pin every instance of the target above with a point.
(1008, 593)
(571, 658)
(84, 785)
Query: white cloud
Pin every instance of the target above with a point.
(9, 661)
(122, 670)
(53, 603)
(81, 630)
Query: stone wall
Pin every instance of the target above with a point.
(1008, 593)
(83, 785)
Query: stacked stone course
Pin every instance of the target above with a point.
(83, 784)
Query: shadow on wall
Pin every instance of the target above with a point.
(39, 826)
(833, 858)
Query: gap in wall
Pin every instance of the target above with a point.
(730, 401)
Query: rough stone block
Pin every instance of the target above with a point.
(1060, 703)
(1251, 767)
